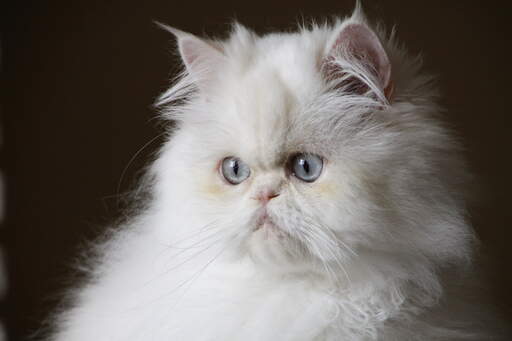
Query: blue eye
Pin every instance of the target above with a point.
(306, 167)
(234, 170)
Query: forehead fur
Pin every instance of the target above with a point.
(292, 58)
(269, 97)
(261, 91)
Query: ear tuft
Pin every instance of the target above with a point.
(358, 14)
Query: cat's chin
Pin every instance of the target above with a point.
(269, 244)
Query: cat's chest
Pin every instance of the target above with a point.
(257, 308)
(222, 301)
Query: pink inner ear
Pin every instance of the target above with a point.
(201, 58)
(192, 49)
(363, 43)
(188, 51)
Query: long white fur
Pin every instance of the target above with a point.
(379, 248)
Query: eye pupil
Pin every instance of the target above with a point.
(235, 167)
(305, 165)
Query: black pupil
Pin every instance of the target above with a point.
(235, 167)
(304, 165)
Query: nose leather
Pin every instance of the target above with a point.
(267, 195)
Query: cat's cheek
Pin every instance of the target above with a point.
(326, 189)
(215, 188)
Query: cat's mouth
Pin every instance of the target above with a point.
(265, 222)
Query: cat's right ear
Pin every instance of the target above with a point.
(358, 60)
(201, 58)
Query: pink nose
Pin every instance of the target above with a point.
(266, 196)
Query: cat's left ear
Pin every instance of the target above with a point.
(355, 41)
(201, 57)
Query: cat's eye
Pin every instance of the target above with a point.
(234, 170)
(306, 167)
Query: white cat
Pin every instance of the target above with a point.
(306, 192)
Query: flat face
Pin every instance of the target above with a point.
(281, 128)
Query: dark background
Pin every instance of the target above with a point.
(79, 79)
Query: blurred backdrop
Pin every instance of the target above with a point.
(79, 79)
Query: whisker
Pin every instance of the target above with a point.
(206, 227)
(316, 251)
(167, 271)
(196, 245)
(336, 238)
(123, 173)
(320, 235)
(192, 256)
(333, 248)
(196, 275)
(203, 269)
(329, 240)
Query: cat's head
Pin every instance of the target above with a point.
(313, 148)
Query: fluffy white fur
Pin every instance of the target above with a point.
(378, 248)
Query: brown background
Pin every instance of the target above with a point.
(79, 78)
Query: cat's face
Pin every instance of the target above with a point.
(296, 161)
(285, 171)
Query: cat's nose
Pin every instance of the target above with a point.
(267, 195)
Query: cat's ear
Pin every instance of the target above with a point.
(356, 57)
(201, 57)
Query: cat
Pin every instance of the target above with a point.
(307, 191)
